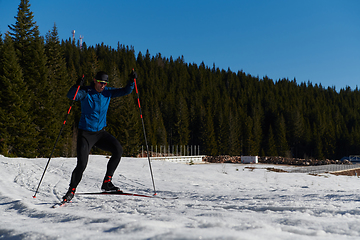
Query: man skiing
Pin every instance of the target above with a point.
(95, 100)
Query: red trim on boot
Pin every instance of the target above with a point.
(107, 179)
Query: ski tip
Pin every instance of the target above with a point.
(155, 194)
(34, 196)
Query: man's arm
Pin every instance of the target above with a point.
(80, 95)
(118, 92)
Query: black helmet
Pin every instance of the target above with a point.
(102, 76)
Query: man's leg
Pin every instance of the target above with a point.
(83, 149)
(109, 143)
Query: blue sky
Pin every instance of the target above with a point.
(310, 40)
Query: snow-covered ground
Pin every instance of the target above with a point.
(215, 201)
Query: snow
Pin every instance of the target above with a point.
(215, 201)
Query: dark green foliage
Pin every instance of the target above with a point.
(123, 118)
(58, 83)
(16, 128)
(182, 104)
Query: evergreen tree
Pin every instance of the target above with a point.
(280, 135)
(234, 134)
(182, 121)
(207, 134)
(256, 131)
(317, 143)
(271, 145)
(248, 138)
(224, 112)
(59, 83)
(124, 123)
(17, 130)
(23, 33)
(123, 116)
(32, 59)
(221, 132)
(158, 127)
(296, 132)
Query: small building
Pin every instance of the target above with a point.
(249, 159)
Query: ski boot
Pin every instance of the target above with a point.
(108, 186)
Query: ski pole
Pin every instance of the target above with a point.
(147, 146)
(47, 164)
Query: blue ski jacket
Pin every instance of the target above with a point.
(94, 104)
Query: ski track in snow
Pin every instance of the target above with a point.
(215, 201)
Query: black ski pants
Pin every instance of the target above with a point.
(101, 139)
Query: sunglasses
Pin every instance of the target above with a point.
(102, 82)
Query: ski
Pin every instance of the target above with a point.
(124, 193)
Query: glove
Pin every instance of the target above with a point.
(131, 82)
(133, 75)
(80, 81)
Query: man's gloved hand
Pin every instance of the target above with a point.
(131, 82)
(80, 81)
(133, 75)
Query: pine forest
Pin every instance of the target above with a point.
(224, 112)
